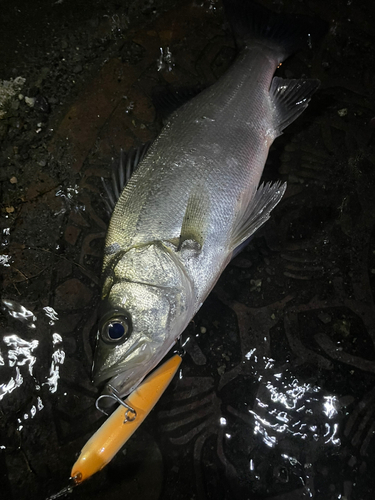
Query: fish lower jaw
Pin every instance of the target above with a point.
(120, 385)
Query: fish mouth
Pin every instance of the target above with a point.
(124, 377)
(122, 383)
(102, 376)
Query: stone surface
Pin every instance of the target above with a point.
(71, 234)
(72, 294)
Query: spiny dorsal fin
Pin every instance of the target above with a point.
(121, 174)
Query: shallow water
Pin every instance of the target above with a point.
(275, 397)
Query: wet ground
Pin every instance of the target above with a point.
(276, 397)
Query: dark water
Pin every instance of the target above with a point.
(275, 399)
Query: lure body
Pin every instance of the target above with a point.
(113, 434)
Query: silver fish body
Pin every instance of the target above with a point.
(193, 200)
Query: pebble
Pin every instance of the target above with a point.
(324, 318)
(78, 68)
(72, 294)
(30, 101)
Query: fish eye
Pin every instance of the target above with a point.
(115, 330)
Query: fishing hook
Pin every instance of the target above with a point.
(117, 399)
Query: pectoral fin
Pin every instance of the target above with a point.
(256, 212)
(194, 224)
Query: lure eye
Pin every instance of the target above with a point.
(116, 330)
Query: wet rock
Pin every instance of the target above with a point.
(324, 317)
(342, 327)
(255, 285)
(3, 128)
(68, 324)
(78, 218)
(15, 105)
(33, 91)
(94, 22)
(5, 173)
(71, 234)
(342, 112)
(242, 262)
(9, 89)
(72, 294)
(30, 101)
(131, 52)
(41, 104)
(64, 270)
(77, 68)
(221, 370)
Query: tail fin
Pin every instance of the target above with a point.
(251, 21)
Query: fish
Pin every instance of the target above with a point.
(195, 199)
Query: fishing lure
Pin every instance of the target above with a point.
(119, 427)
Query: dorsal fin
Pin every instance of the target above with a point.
(121, 174)
(290, 99)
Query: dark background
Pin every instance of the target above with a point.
(276, 398)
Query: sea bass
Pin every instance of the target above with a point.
(194, 200)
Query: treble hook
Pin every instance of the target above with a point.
(179, 347)
(116, 397)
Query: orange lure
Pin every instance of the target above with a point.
(117, 429)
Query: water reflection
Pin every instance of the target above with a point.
(52, 314)
(58, 358)
(20, 351)
(5, 260)
(12, 384)
(291, 423)
(18, 311)
(285, 406)
(18, 355)
(165, 61)
(298, 409)
(69, 199)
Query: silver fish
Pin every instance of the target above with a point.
(194, 199)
